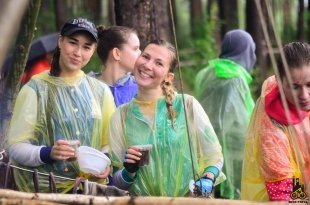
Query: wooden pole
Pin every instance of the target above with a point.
(103, 200)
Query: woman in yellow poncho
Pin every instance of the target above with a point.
(55, 107)
(277, 150)
(156, 117)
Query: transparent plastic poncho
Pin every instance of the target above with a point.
(223, 91)
(51, 108)
(274, 151)
(170, 169)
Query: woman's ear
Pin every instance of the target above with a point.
(59, 41)
(169, 77)
(116, 54)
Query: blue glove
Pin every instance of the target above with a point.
(204, 186)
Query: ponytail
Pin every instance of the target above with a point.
(55, 68)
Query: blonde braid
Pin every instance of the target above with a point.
(168, 91)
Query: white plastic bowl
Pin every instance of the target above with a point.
(91, 160)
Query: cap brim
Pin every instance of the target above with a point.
(74, 30)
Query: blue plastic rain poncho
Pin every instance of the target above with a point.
(124, 90)
(170, 168)
(51, 108)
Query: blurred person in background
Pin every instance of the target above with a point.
(223, 90)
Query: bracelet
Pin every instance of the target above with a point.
(208, 177)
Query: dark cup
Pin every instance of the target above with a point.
(145, 157)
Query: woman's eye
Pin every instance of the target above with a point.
(144, 56)
(295, 87)
(159, 64)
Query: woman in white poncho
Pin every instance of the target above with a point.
(55, 107)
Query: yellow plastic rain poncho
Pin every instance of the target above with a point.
(170, 168)
(274, 151)
(223, 91)
(51, 108)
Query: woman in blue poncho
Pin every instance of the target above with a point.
(58, 106)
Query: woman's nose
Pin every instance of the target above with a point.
(77, 51)
(304, 93)
(147, 64)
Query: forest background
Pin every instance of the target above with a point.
(199, 27)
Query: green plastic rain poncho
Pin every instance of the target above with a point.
(223, 91)
(51, 108)
(170, 168)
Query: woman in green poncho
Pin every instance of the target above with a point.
(53, 108)
(223, 91)
(156, 117)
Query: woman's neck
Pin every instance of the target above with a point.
(71, 74)
(111, 74)
(149, 94)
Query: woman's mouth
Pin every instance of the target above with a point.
(145, 75)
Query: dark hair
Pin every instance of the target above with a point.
(171, 48)
(72, 26)
(55, 68)
(296, 54)
(112, 37)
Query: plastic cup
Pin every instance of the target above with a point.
(74, 143)
(145, 157)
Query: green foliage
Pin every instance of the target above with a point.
(198, 48)
(93, 65)
(46, 22)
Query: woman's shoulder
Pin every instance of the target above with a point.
(187, 97)
(96, 82)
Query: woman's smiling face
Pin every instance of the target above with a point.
(152, 66)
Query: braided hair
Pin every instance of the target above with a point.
(167, 86)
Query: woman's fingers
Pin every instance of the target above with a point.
(132, 155)
(62, 150)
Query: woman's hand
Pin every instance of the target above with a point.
(103, 175)
(132, 157)
(62, 150)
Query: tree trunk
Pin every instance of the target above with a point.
(301, 21)
(149, 19)
(254, 27)
(308, 20)
(94, 7)
(111, 13)
(60, 13)
(10, 19)
(228, 11)
(195, 16)
(20, 55)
